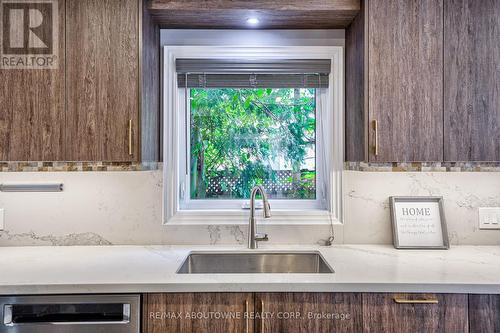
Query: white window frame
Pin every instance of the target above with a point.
(327, 208)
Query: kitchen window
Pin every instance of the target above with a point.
(236, 121)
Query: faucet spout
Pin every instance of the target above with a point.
(253, 236)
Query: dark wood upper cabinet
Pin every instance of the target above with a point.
(101, 103)
(472, 80)
(308, 312)
(194, 309)
(416, 313)
(405, 61)
(423, 81)
(102, 80)
(149, 78)
(112, 81)
(32, 109)
(356, 89)
(394, 61)
(484, 313)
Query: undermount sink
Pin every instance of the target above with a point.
(254, 262)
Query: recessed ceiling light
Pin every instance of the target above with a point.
(253, 21)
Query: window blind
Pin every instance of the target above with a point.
(236, 73)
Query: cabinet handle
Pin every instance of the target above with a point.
(431, 300)
(130, 137)
(375, 130)
(247, 316)
(262, 316)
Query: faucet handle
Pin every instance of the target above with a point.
(261, 237)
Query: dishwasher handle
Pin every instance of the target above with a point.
(7, 314)
(92, 314)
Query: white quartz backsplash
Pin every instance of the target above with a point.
(102, 208)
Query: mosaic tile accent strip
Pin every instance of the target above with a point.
(424, 166)
(146, 166)
(77, 166)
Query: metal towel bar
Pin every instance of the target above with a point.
(45, 187)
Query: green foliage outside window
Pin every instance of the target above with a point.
(245, 137)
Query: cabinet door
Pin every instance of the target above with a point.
(472, 80)
(32, 107)
(308, 312)
(405, 80)
(429, 313)
(198, 312)
(484, 313)
(102, 80)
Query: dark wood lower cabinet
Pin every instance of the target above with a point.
(484, 313)
(308, 312)
(415, 313)
(197, 312)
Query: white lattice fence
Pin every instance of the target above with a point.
(282, 184)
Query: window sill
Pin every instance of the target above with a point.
(240, 217)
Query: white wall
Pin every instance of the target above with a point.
(367, 206)
(98, 208)
(125, 208)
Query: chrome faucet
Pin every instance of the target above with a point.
(253, 236)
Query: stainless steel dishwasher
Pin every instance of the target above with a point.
(70, 313)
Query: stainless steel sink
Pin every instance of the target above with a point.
(254, 262)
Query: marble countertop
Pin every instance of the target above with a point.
(358, 268)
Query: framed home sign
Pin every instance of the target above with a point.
(418, 223)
